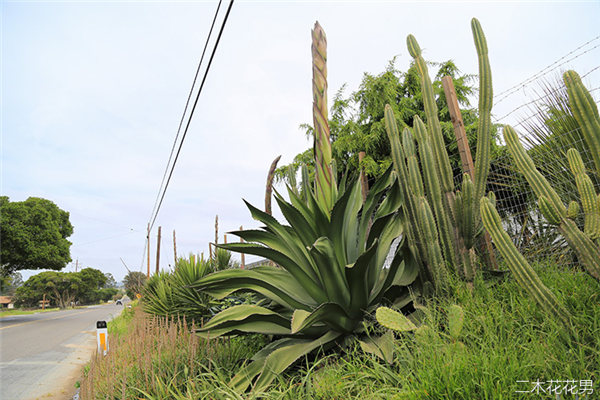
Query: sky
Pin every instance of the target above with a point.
(92, 93)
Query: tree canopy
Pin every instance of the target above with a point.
(357, 121)
(134, 283)
(34, 235)
(87, 286)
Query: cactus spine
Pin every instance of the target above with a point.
(524, 274)
(325, 186)
(553, 209)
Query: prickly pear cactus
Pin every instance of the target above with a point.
(456, 319)
(393, 320)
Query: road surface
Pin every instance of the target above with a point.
(42, 355)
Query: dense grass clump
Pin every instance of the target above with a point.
(506, 338)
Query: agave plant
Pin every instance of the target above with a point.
(331, 273)
(170, 294)
(331, 260)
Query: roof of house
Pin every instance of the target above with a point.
(5, 299)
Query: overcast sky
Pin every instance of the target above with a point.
(93, 91)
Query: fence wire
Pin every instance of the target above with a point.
(546, 138)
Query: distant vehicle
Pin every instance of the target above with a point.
(118, 303)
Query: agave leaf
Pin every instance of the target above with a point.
(381, 346)
(239, 313)
(403, 271)
(303, 229)
(355, 275)
(344, 224)
(329, 313)
(244, 377)
(283, 357)
(289, 238)
(333, 279)
(274, 283)
(299, 273)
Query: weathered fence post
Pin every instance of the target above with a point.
(465, 157)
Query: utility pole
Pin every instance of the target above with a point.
(148, 240)
(158, 251)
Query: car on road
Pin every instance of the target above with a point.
(119, 302)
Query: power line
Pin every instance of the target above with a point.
(153, 219)
(546, 70)
(187, 103)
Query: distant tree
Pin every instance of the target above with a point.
(61, 288)
(34, 235)
(92, 281)
(134, 283)
(110, 280)
(10, 283)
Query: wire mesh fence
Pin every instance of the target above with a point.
(547, 131)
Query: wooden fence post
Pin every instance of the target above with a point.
(459, 127)
(158, 251)
(465, 157)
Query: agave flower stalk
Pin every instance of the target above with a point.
(325, 186)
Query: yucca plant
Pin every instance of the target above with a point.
(331, 271)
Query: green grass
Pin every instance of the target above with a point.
(506, 338)
(9, 313)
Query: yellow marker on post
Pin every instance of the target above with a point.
(102, 337)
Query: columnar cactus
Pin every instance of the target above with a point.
(522, 271)
(585, 111)
(455, 217)
(325, 186)
(552, 207)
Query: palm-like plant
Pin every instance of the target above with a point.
(331, 270)
(171, 294)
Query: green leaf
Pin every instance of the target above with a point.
(381, 346)
(330, 314)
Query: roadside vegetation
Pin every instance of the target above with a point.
(505, 339)
(382, 281)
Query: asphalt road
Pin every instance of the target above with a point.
(42, 355)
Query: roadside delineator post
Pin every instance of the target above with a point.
(102, 337)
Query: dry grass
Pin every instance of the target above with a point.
(152, 346)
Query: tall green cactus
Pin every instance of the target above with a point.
(553, 209)
(454, 224)
(325, 186)
(585, 111)
(522, 271)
